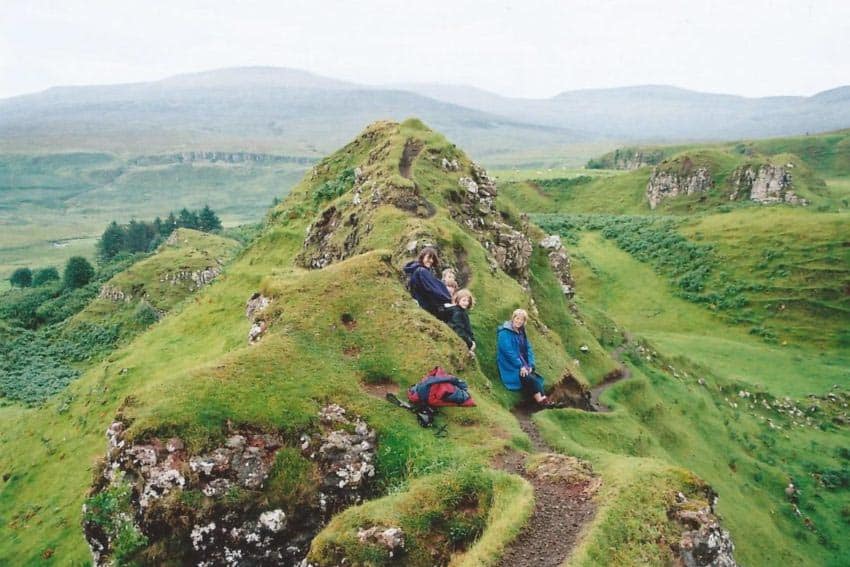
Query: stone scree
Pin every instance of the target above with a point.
(223, 531)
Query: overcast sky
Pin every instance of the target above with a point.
(521, 48)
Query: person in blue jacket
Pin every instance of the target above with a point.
(515, 358)
(427, 289)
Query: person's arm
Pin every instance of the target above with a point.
(530, 352)
(509, 349)
(434, 287)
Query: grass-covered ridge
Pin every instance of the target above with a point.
(335, 334)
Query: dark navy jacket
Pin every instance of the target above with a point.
(430, 292)
(458, 320)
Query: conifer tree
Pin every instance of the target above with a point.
(112, 241)
(208, 221)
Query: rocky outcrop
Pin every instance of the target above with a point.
(198, 278)
(703, 542)
(254, 311)
(764, 184)
(214, 157)
(664, 184)
(112, 293)
(473, 206)
(210, 505)
(559, 259)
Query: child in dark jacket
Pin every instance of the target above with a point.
(458, 319)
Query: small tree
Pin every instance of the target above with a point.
(22, 277)
(44, 275)
(187, 219)
(208, 221)
(137, 237)
(112, 241)
(78, 272)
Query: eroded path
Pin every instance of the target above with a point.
(562, 507)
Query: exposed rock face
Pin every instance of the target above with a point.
(769, 184)
(158, 483)
(704, 542)
(199, 278)
(473, 206)
(667, 184)
(254, 308)
(559, 259)
(112, 293)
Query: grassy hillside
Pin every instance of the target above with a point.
(348, 332)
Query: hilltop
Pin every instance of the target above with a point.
(268, 438)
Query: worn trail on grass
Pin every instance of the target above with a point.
(561, 511)
(622, 373)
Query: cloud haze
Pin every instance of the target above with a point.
(536, 49)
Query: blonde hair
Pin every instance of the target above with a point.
(452, 286)
(520, 313)
(449, 275)
(464, 293)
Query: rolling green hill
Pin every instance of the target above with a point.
(217, 446)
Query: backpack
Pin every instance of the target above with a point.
(438, 389)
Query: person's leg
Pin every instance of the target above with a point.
(536, 386)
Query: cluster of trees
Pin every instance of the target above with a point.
(78, 272)
(143, 236)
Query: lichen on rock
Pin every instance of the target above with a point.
(209, 506)
(665, 184)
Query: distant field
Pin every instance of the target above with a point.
(55, 206)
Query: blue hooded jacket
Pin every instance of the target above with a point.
(430, 292)
(510, 356)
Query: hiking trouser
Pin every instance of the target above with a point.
(532, 383)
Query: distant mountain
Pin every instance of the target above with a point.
(661, 113)
(279, 110)
(254, 109)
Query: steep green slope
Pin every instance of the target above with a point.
(711, 399)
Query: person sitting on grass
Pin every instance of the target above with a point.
(429, 292)
(515, 358)
(458, 317)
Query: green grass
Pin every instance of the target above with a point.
(193, 375)
(178, 378)
(649, 308)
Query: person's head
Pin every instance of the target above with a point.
(428, 257)
(519, 318)
(464, 299)
(451, 285)
(449, 275)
